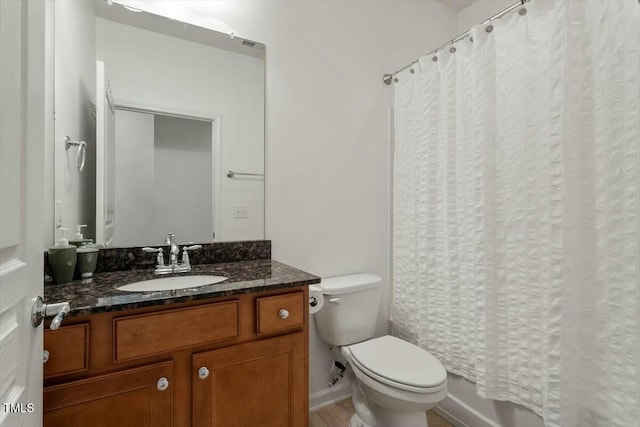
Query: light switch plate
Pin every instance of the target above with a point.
(240, 212)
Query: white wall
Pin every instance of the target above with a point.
(179, 76)
(75, 86)
(327, 110)
(479, 11)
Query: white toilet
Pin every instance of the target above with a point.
(396, 382)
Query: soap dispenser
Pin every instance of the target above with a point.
(87, 261)
(62, 259)
(77, 239)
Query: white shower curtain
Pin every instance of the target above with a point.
(516, 210)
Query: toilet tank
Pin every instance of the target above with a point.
(350, 308)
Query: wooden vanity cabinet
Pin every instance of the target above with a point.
(240, 361)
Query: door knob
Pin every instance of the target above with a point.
(41, 310)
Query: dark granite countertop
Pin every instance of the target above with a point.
(99, 294)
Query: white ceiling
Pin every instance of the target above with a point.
(456, 4)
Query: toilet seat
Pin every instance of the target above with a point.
(399, 364)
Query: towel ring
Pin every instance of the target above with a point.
(81, 155)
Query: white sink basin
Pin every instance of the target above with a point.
(171, 283)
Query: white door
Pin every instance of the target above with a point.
(22, 136)
(105, 158)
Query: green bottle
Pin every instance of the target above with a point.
(87, 259)
(62, 259)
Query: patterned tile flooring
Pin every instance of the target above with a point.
(338, 415)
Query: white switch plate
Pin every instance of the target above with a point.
(239, 211)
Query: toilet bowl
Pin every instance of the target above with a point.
(393, 381)
(399, 381)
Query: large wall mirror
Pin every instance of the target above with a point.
(172, 120)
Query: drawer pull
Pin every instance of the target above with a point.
(203, 373)
(45, 357)
(163, 384)
(280, 312)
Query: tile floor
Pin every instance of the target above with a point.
(339, 414)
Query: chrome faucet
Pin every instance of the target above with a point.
(174, 250)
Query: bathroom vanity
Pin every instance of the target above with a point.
(227, 354)
(230, 354)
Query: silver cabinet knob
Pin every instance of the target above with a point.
(283, 313)
(45, 357)
(163, 384)
(203, 373)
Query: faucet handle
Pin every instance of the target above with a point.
(159, 258)
(185, 255)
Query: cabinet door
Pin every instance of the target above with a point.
(262, 383)
(135, 397)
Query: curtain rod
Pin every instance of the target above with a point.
(388, 78)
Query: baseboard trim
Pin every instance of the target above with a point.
(449, 417)
(328, 396)
(465, 416)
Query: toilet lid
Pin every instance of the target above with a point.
(398, 362)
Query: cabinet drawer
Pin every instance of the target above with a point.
(280, 312)
(68, 349)
(150, 334)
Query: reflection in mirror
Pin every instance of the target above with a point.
(164, 164)
(189, 108)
